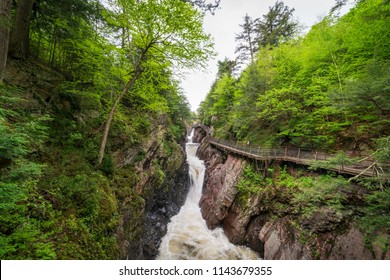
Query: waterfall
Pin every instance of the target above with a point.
(188, 237)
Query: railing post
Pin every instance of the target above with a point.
(285, 152)
(299, 152)
(315, 157)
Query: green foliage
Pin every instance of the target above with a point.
(304, 195)
(383, 149)
(274, 28)
(338, 161)
(277, 25)
(327, 90)
(21, 135)
(54, 203)
(247, 40)
(251, 181)
(377, 217)
(322, 191)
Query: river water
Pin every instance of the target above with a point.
(188, 237)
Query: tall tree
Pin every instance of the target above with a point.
(247, 44)
(5, 14)
(277, 25)
(226, 66)
(161, 32)
(19, 39)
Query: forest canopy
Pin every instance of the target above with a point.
(328, 89)
(79, 77)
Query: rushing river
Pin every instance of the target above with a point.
(188, 237)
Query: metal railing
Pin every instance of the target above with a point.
(364, 167)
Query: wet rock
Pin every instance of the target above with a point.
(199, 135)
(161, 206)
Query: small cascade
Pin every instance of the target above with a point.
(188, 237)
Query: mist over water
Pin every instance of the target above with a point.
(188, 237)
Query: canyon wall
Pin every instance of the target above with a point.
(160, 191)
(275, 233)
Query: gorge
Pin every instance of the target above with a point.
(188, 236)
(276, 232)
(94, 162)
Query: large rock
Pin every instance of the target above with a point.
(199, 135)
(220, 184)
(349, 246)
(238, 217)
(283, 240)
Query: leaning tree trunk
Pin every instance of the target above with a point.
(5, 24)
(107, 127)
(19, 39)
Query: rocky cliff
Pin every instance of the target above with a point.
(267, 223)
(158, 190)
(120, 210)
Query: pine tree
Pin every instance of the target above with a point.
(247, 40)
(276, 26)
(226, 66)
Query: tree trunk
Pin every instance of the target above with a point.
(107, 127)
(5, 24)
(19, 39)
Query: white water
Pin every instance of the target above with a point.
(188, 237)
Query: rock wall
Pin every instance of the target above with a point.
(160, 192)
(247, 221)
(199, 135)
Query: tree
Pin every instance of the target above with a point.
(19, 39)
(277, 25)
(5, 14)
(58, 32)
(161, 32)
(339, 4)
(247, 40)
(222, 103)
(205, 5)
(226, 66)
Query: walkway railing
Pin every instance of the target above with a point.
(364, 167)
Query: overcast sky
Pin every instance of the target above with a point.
(225, 24)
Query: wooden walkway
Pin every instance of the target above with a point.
(365, 168)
